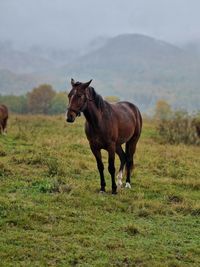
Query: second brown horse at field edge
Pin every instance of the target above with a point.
(3, 119)
(107, 126)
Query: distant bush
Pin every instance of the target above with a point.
(163, 110)
(17, 104)
(196, 123)
(58, 103)
(180, 127)
(40, 98)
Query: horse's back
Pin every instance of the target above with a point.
(128, 110)
(129, 120)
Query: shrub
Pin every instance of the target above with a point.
(58, 104)
(179, 128)
(39, 99)
(54, 167)
(46, 186)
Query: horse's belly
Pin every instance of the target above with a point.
(124, 135)
(126, 126)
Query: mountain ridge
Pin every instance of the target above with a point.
(132, 66)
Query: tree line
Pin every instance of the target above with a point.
(174, 126)
(41, 100)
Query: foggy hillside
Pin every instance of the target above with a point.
(142, 69)
(193, 48)
(34, 59)
(131, 66)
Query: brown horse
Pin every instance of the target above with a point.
(107, 126)
(3, 118)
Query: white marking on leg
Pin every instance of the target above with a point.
(128, 185)
(119, 178)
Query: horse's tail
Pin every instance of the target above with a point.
(139, 121)
(139, 118)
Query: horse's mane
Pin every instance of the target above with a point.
(98, 99)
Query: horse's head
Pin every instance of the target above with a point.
(77, 99)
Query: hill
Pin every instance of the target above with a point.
(131, 66)
(21, 62)
(142, 69)
(193, 47)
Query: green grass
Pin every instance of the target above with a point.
(51, 213)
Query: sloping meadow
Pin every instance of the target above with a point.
(51, 213)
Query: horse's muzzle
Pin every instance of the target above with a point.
(72, 114)
(70, 119)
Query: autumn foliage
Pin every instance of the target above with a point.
(39, 99)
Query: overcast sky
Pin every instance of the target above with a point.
(65, 23)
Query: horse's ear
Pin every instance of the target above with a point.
(85, 85)
(72, 82)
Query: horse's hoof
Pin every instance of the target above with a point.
(127, 185)
(102, 191)
(114, 192)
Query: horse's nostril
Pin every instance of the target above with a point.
(70, 119)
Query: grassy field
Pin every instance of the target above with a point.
(51, 213)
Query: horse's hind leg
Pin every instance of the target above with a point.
(122, 156)
(130, 151)
(111, 166)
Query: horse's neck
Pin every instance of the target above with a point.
(92, 114)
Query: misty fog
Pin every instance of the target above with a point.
(73, 23)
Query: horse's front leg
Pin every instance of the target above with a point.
(111, 167)
(100, 166)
